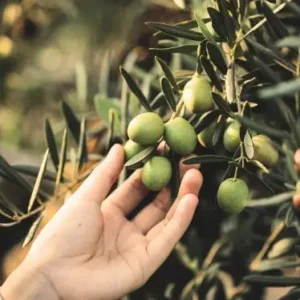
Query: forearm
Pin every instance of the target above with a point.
(27, 283)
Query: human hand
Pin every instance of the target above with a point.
(296, 199)
(90, 250)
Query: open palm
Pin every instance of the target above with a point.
(90, 250)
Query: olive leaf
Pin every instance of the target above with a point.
(38, 181)
(168, 92)
(9, 205)
(221, 125)
(176, 31)
(141, 157)
(285, 88)
(175, 179)
(62, 159)
(51, 144)
(217, 22)
(168, 73)
(136, 90)
(222, 105)
(183, 49)
(207, 159)
(230, 84)
(82, 149)
(72, 122)
(30, 235)
(248, 145)
(209, 69)
(271, 201)
(262, 128)
(206, 120)
(204, 29)
(277, 26)
(216, 56)
(289, 41)
(103, 104)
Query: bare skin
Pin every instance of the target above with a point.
(296, 199)
(90, 250)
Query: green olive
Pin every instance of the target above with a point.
(231, 138)
(156, 173)
(298, 187)
(146, 129)
(180, 136)
(206, 135)
(232, 195)
(131, 149)
(264, 150)
(197, 95)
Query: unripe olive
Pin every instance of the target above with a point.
(156, 173)
(131, 149)
(264, 150)
(231, 137)
(205, 136)
(197, 95)
(146, 129)
(232, 195)
(180, 136)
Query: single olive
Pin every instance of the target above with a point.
(146, 129)
(156, 173)
(205, 137)
(197, 95)
(180, 136)
(232, 195)
(131, 149)
(264, 151)
(231, 137)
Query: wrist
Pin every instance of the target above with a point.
(28, 283)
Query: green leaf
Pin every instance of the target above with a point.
(262, 128)
(51, 144)
(221, 125)
(168, 92)
(248, 145)
(222, 105)
(175, 180)
(72, 121)
(285, 88)
(217, 24)
(230, 84)
(207, 159)
(136, 90)
(168, 73)
(277, 26)
(38, 181)
(183, 49)
(62, 159)
(82, 150)
(271, 201)
(204, 29)
(206, 120)
(216, 56)
(9, 205)
(141, 157)
(33, 171)
(209, 69)
(103, 104)
(176, 31)
(289, 41)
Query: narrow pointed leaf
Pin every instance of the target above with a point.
(217, 24)
(206, 120)
(204, 29)
(219, 131)
(8, 204)
(209, 69)
(72, 122)
(62, 159)
(141, 157)
(82, 150)
(275, 281)
(222, 105)
(136, 90)
(183, 49)
(271, 201)
(207, 159)
(51, 144)
(38, 181)
(290, 42)
(168, 92)
(168, 73)
(216, 57)
(176, 31)
(32, 231)
(248, 145)
(230, 84)
(277, 26)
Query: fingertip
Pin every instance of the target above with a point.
(296, 202)
(297, 157)
(194, 175)
(188, 205)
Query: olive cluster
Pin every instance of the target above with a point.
(180, 136)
